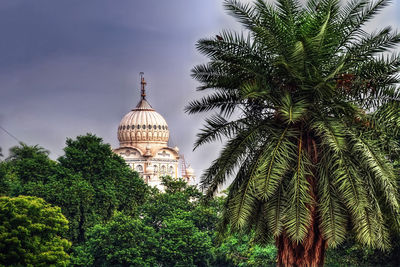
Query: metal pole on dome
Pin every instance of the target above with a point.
(143, 85)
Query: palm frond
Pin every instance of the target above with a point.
(344, 173)
(225, 101)
(290, 111)
(378, 167)
(298, 214)
(334, 217)
(370, 44)
(242, 206)
(357, 15)
(275, 209)
(216, 128)
(280, 154)
(243, 12)
(230, 157)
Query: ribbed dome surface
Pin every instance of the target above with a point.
(143, 124)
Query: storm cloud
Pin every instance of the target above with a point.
(72, 67)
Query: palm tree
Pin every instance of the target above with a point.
(25, 151)
(306, 100)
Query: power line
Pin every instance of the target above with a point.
(13, 136)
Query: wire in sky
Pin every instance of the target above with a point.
(13, 136)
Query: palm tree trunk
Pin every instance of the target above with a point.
(311, 252)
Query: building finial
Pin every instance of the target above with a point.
(143, 85)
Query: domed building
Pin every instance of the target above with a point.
(143, 136)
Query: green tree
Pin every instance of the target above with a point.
(74, 195)
(168, 230)
(349, 253)
(307, 155)
(32, 233)
(92, 183)
(89, 182)
(31, 163)
(238, 250)
(6, 181)
(181, 219)
(25, 165)
(123, 241)
(116, 186)
(29, 171)
(176, 199)
(183, 244)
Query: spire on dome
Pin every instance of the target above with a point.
(143, 85)
(143, 104)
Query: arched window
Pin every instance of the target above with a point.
(171, 169)
(155, 169)
(139, 168)
(163, 169)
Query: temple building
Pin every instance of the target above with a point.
(143, 136)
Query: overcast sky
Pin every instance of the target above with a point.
(72, 67)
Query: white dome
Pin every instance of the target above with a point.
(143, 124)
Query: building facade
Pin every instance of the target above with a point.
(143, 136)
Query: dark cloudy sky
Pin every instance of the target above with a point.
(72, 67)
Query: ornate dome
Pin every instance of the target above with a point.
(143, 124)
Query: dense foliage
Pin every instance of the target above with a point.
(89, 182)
(239, 250)
(166, 231)
(306, 102)
(32, 233)
(350, 253)
(171, 228)
(123, 241)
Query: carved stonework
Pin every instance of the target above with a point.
(164, 154)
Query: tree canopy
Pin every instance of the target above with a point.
(32, 233)
(123, 241)
(89, 182)
(167, 230)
